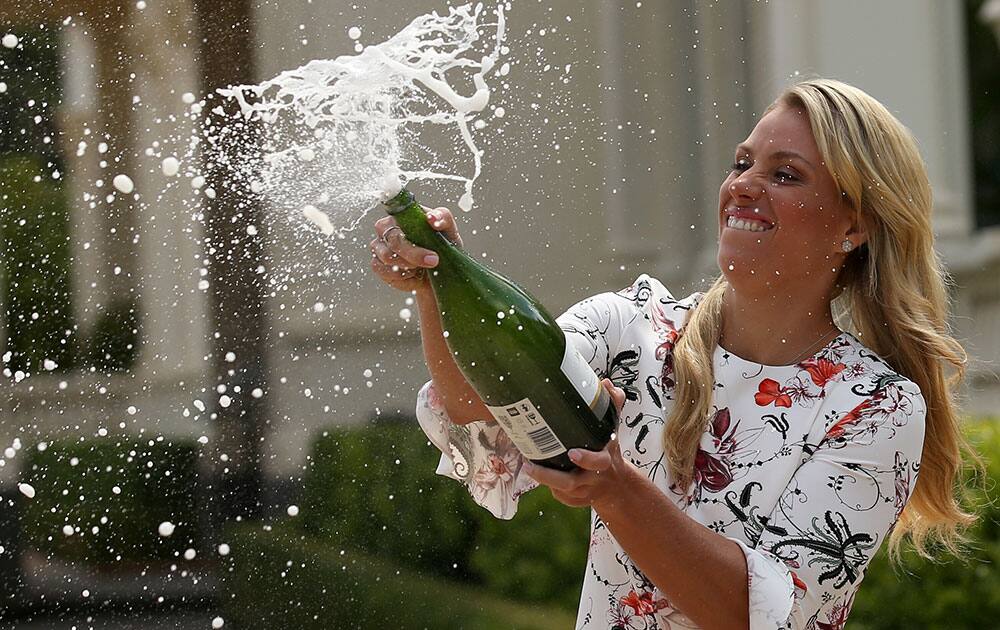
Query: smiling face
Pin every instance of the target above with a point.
(781, 217)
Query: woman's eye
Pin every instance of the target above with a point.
(739, 166)
(784, 176)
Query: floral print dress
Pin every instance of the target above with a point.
(807, 467)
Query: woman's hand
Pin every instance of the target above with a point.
(600, 474)
(401, 264)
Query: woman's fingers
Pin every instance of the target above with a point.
(442, 220)
(395, 241)
(617, 394)
(597, 461)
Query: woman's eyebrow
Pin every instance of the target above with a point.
(777, 155)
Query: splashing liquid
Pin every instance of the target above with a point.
(341, 134)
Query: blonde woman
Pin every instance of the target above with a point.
(766, 448)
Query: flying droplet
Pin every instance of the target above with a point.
(124, 184)
(170, 166)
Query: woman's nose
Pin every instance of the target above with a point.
(745, 186)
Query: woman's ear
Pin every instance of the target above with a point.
(857, 233)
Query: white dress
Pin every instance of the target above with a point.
(807, 466)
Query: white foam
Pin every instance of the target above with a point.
(339, 126)
(170, 166)
(10, 40)
(318, 218)
(124, 184)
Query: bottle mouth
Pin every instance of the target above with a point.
(399, 202)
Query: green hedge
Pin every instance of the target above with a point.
(74, 483)
(951, 593)
(35, 265)
(283, 579)
(539, 556)
(375, 489)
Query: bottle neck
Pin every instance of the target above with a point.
(411, 217)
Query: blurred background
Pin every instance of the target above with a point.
(209, 423)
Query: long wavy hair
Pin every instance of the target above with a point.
(892, 292)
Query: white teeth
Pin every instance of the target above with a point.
(748, 225)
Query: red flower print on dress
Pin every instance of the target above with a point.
(837, 617)
(711, 470)
(665, 330)
(852, 417)
(770, 392)
(643, 604)
(801, 588)
(822, 371)
(434, 400)
(500, 466)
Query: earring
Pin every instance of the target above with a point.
(847, 245)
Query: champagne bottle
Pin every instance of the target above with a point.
(538, 387)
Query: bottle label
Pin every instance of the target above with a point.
(581, 375)
(528, 430)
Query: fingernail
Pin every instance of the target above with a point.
(574, 455)
(431, 259)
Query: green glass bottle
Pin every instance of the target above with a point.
(512, 352)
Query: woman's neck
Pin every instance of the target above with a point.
(775, 329)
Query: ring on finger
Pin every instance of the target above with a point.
(391, 228)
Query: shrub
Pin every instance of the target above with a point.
(950, 593)
(539, 556)
(375, 489)
(311, 585)
(75, 483)
(34, 265)
(113, 345)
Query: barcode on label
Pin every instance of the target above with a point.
(527, 429)
(545, 440)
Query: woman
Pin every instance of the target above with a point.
(764, 454)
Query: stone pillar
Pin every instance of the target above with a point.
(174, 327)
(650, 111)
(80, 149)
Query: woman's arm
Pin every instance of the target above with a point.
(462, 402)
(702, 573)
(404, 266)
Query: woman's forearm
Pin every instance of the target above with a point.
(462, 402)
(702, 573)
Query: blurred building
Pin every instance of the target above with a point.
(608, 165)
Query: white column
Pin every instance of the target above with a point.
(174, 322)
(78, 115)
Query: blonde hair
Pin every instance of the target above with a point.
(894, 294)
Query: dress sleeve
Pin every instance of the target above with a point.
(478, 454)
(595, 325)
(840, 505)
